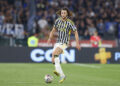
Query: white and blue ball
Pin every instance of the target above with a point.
(48, 78)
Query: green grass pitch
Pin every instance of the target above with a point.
(32, 74)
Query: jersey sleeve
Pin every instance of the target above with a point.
(55, 24)
(73, 27)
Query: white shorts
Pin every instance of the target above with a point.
(60, 45)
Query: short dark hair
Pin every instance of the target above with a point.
(68, 11)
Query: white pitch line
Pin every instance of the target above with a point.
(23, 82)
(86, 65)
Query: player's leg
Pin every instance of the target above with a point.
(55, 59)
(55, 54)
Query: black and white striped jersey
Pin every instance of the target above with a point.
(64, 29)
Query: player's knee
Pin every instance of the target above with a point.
(54, 55)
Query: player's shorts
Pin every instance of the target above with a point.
(63, 46)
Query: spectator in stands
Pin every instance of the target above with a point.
(100, 27)
(91, 29)
(95, 40)
(43, 24)
(102, 15)
(81, 29)
(33, 40)
(2, 18)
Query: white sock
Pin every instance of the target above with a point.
(58, 67)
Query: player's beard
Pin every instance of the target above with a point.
(64, 17)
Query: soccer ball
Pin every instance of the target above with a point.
(48, 78)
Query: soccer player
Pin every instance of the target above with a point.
(63, 25)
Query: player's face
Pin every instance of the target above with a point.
(64, 14)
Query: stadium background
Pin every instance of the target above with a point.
(21, 65)
(20, 19)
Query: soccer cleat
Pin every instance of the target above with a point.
(62, 79)
(56, 73)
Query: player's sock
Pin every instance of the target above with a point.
(58, 67)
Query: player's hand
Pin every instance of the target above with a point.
(78, 46)
(49, 40)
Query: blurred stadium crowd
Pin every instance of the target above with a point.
(21, 18)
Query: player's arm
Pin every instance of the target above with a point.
(51, 34)
(74, 29)
(77, 40)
